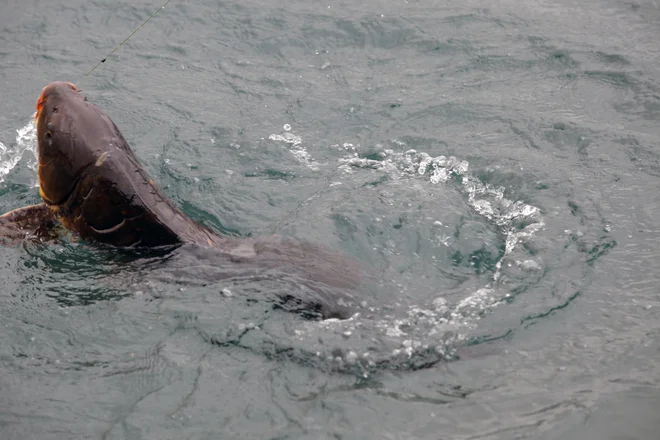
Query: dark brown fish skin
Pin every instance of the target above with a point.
(93, 183)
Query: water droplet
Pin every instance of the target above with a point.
(351, 357)
(530, 265)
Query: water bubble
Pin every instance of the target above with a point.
(294, 143)
(529, 265)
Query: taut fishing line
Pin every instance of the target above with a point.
(125, 40)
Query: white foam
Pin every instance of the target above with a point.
(294, 142)
(26, 139)
(486, 200)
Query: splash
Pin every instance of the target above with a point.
(26, 140)
(424, 334)
(296, 147)
(420, 337)
(400, 165)
(486, 200)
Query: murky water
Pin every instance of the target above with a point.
(495, 164)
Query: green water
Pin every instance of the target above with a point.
(496, 164)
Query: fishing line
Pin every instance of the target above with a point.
(127, 38)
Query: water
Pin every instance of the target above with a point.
(495, 163)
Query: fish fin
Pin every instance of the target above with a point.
(35, 222)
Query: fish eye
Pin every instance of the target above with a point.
(55, 109)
